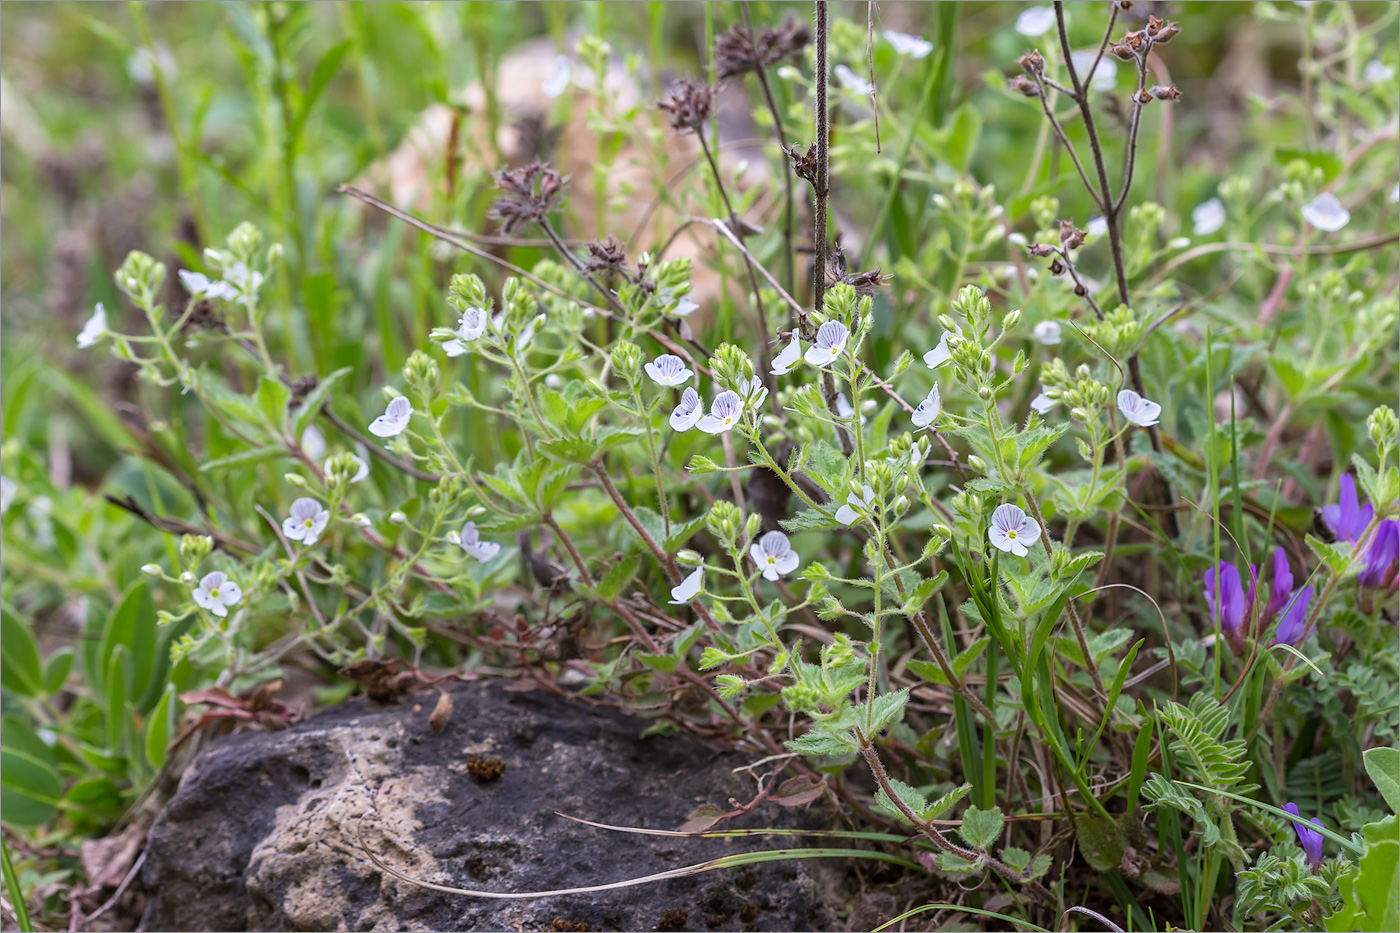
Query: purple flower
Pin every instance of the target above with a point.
(1309, 838)
(1347, 518)
(1225, 597)
(1384, 550)
(1283, 585)
(1295, 616)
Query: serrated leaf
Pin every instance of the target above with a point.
(885, 710)
(957, 865)
(808, 520)
(981, 827)
(617, 577)
(827, 466)
(909, 796)
(818, 742)
(938, 808)
(1336, 556)
(665, 663)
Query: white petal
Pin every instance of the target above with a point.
(94, 329)
(1042, 403)
(454, 348)
(712, 424)
(293, 528)
(230, 593)
(819, 356)
(202, 598)
(788, 563)
(788, 358)
(217, 607)
(688, 588)
(905, 44)
(484, 550)
(313, 442)
(685, 307)
(847, 515)
(1048, 333)
(558, 81)
(852, 81)
(1028, 533)
(1035, 21)
(939, 354)
(998, 538)
(1207, 217)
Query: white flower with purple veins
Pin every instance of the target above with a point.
(469, 539)
(787, 359)
(929, 409)
(558, 81)
(200, 285)
(361, 468)
(470, 327)
(1048, 333)
(939, 354)
(216, 592)
(852, 81)
(688, 588)
(1207, 217)
(865, 502)
(724, 414)
(668, 370)
(395, 418)
(753, 392)
(1140, 411)
(1042, 403)
(1035, 21)
(95, 328)
(306, 522)
(1325, 212)
(831, 340)
(774, 555)
(1012, 530)
(688, 412)
(905, 44)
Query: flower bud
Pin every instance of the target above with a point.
(164, 618)
(943, 531)
(755, 522)
(977, 463)
(295, 479)
(1011, 320)
(421, 372)
(901, 505)
(1382, 426)
(187, 578)
(985, 393)
(194, 548)
(152, 570)
(627, 361)
(398, 518)
(361, 519)
(244, 241)
(688, 558)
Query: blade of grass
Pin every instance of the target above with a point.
(17, 902)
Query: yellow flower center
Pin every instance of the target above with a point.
(1011, 533)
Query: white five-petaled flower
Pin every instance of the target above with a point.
(469, 539)
(306, 522)
(685, 307)
(361, 468)
(244, 281)
(95, 328)
(1140, 411)
(558, 80)
(1035, 21)
(1325, 212)
(905, 44)
(216, 592)
(1012, 530)
(754, 392)
(688, 588)
(395, 418)
(200, 285)
(831, 340)
(787, 359)
(852, 81)
(847, 514)
(774, 555)
(1048, 332)
(668, 370)
(688, 412)
(1207, 217)
(725, 412)
(929, 409)
(470, 327)
(1042, 403)
(939, 354)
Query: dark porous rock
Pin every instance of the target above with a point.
(268, 829)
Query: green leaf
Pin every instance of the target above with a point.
(922, 593)
(947, 802)
(311, 404)
(273, 397)
(30, 789)
(245, 458)
(56, 670)
(20, 668)
(1383, 765)
(666, 663)
(617, 577)
(909, 796)
(1329, 162)
(1142, 751)
(957, 865)
(1335, 556)
(117, 715)
(818, 742)
(885, 710)
(1101, 841)
(827, 466)
(131, 625)
(159, 728)
(981, 827)
(962, 141)
(808, 520)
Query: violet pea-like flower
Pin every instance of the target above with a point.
(1382, 554)
(1347, 518)
(1308, 838)
(1226, 598)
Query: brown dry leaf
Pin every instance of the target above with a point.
(106, 861)
(441, 713)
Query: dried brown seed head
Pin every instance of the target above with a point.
(1023, 84)
(688, 104)
(531, 192)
